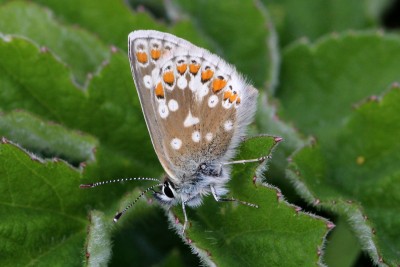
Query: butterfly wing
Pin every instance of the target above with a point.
(196, 106)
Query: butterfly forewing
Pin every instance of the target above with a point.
(196, 106)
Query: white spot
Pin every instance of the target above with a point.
(196, 136)
(173, 105)
(212, 101)
(202, 92)
(182, 82)
(176, 143)
(195, 82)
(228, 125)
(163, 110)
(190, 120)
(209, 137)
(226, 104)
(148, 82)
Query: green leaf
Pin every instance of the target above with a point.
(227, 234)
(121, 20)
(358, 176)
(77, 48)
(112, 21)
(240, 31)
(98, 243)
(325, 80)
(41, 210)
(313, 18)
(47, 139)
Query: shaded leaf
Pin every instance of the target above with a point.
(121, 20)
(77, 48)
(358, 176)
(313, 18)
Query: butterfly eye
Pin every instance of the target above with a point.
(167, 190)
(203, 166)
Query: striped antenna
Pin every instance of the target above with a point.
(119, 214)
(118, 181)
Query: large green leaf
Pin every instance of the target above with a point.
(42, 216)
(77, 48)
(276, 233)
(240, 31)
(326, 79)
(314, 18)
(358, 176)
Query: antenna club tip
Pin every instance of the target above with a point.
(85, 185)
(116, 218)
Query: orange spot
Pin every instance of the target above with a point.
(168, 77)
(206, 75)
(155, 54)
(238, 101)
(218, 84)
(181, 69)
(232, 98)
(194, 68)
(159, 91)
(227, 94)
(141, 57)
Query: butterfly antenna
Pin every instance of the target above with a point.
(118, 181)
(119, 214)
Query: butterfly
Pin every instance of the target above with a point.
(196, 107)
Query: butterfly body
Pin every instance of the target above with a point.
(196, 108)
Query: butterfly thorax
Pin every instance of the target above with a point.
(194, 187)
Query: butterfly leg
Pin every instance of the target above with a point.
(260, 160)
(219, 199)
(184, 213)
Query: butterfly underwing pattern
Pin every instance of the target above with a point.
(196, 107)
